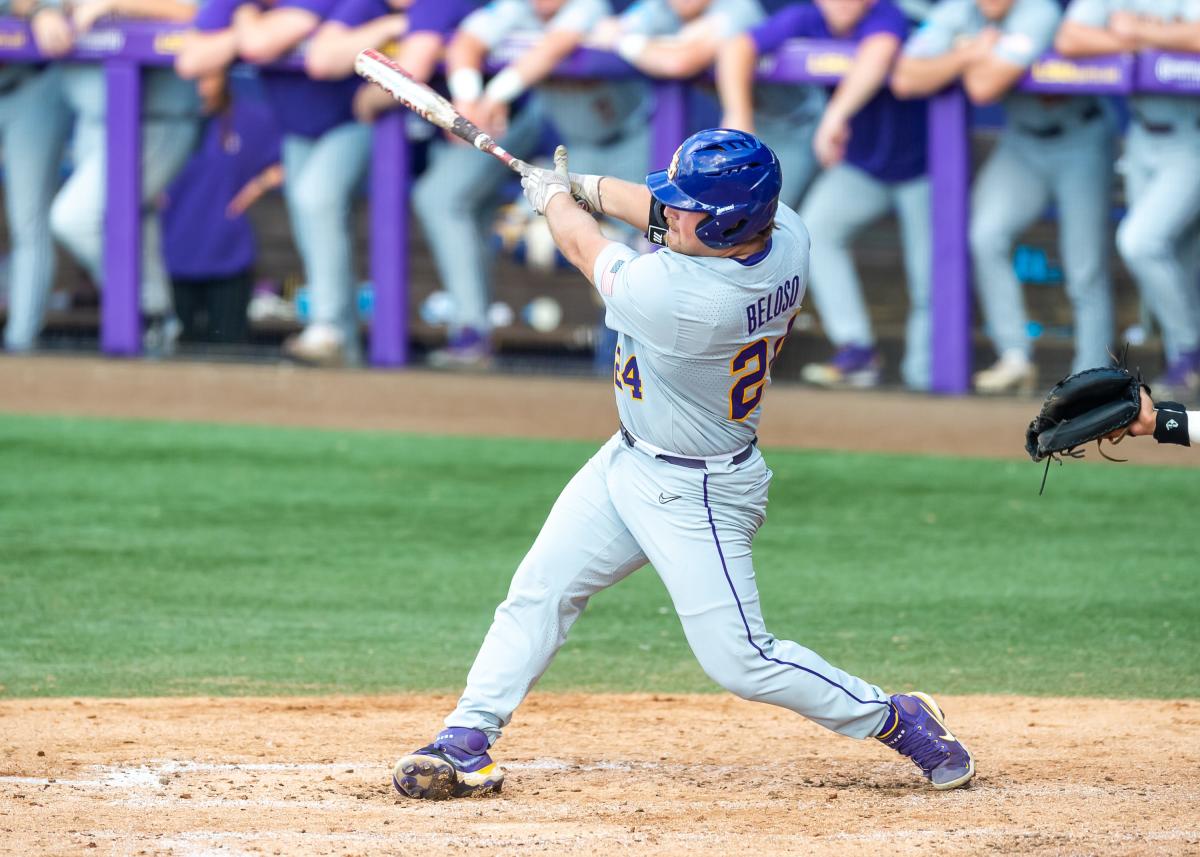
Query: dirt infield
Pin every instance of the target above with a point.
(591, 775)
(588, 774)
(517, 406)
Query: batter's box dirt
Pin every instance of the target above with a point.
(591, 775)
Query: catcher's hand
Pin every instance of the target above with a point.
(1096, 404)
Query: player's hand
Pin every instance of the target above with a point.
(267, 180)
(585, 188)
(980, 46)
(52, 32)
(604, 35)
(830, 140)
(541, 186)
(85, 15)
(738, 122)
(1146, 422)
(1126, 26)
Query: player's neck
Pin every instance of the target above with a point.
(746, 249)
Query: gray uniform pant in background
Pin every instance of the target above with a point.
(320, 178)
(34, 124)
(1158, 238)
(792, 144)
(843, 201)
(1023, 175)
(456, 200)
(609, 522)
(77, 214)
(457, 196)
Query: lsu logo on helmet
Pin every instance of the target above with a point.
(673, 169)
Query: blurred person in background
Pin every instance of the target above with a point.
(170, 123)
(34, 124)
(325, 153)
(872, 146)
(1052, 149)
(208, 242)
(605, 123)
(1159, 238)
(679, 39)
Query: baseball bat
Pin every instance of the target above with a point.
(422, 100)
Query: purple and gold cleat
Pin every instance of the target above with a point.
(917, 728)
(456, 764)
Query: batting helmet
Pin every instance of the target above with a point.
(732, 176)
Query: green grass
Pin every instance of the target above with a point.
(156, 558)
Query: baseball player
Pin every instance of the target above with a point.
(681, 38)
(34, 124)
(1051, 149)
(324, 152)
(682, 484)
(873, 148)
(170, 126)
(607, 122)
(1158, 239)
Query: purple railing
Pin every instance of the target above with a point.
(126, 47)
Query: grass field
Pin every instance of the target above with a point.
(155, 558)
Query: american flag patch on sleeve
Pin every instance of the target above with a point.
(609, 279)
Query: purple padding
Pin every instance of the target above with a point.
(949, 177)
(1052, 74)
(120, 322)
(811, 60)
(389, 241)
(1158, 71)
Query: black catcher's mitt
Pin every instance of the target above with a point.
(1083, 407)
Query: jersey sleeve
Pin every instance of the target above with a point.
(579, 16)
(1090, 13)
(936, 36)
(493, 22)
(320, 8)
(883, 19)
(1028, 32)
(650, 18)
(354, 13)
(636, 290)
(436, 16)
(215, 15)
(790, 22)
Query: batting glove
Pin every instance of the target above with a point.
(541, 186)
(584, 188)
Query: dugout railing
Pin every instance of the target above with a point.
(124, 48)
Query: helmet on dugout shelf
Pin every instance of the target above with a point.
(731, 176)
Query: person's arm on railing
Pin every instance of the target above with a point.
(331, 53)
(85, 15)
(1166, 35)
(736, 62)
(204, 53)
(1027, 32)
(867, 75)
(1087, 30)
(266, 36)
(51, 30)
(919, 77)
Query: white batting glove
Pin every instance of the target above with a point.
(584, 188)
(541, 186)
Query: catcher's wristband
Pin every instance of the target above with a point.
(1171, 424)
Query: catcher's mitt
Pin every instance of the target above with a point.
(1083, 407)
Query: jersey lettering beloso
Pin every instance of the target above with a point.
(697, 337)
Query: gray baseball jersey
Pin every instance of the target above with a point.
(587, 111)
(1161, 109)
(1027, 32)
(697, 337)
